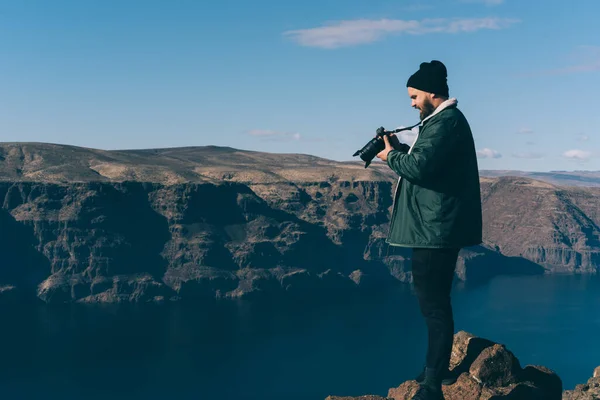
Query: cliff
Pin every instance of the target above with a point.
(89, 225)
(486, 370)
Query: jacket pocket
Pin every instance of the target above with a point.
(430, 205)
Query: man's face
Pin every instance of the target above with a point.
(421, 101)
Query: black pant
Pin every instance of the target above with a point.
(433, 273)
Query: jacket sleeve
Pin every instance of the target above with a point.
(403, 148)
(432, 153)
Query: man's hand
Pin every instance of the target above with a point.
(388, 147)
(397, 145)
(395, 142)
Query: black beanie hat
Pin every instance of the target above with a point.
(431, 78)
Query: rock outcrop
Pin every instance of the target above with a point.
(486, 370)
(586, 391)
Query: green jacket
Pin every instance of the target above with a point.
(437, 202)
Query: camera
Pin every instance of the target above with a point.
(371, 149)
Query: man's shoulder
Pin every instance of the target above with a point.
(451, 113)
(451, 117)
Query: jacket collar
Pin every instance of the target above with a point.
(451, 102)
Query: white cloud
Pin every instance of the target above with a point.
(274, 135)
(587, 60)
(525, 131)
(581, 155)
(583, 138)
(407, 137)
(486, 2)
(589, 67)
(529, 155)
(355, 32)
(488, 153)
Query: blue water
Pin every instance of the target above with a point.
(287, 349)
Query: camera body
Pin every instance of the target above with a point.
(376, 145)
(373, 147)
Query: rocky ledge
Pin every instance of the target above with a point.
(586, 391)
(486, 370)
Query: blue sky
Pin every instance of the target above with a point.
(312, 77)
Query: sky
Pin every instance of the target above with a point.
(310, 77)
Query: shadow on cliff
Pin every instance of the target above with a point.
(317, 251)
(300, 254)
(479, 264)
(22, 267)
(137, 232)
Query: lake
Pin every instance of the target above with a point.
(288, 349)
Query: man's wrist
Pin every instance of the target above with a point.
(390, 155)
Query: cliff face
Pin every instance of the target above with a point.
(556, 227)
(132, 241)
(215, 222)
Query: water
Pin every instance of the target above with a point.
(288, 349)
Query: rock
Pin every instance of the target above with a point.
(586, 391)
(134, 288)
(405, 391)
(465, 349)
(545, 379)
(495, 366)
(488, 371)
(357, 398)
(8, 294)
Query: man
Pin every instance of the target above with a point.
(436, 212)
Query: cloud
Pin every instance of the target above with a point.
(583, 138)
(407, 137)
(488, 153)
(588, 60)
(530, 143)
(274, 135)
(525, 131)
(486, 2)
(528, 155)
(361, 31)
(580, 155)
(589, 67)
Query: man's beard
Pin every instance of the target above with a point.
(426, 110)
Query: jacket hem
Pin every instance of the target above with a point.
(434, 246)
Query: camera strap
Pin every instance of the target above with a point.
(405, 129)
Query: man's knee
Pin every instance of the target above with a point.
(433, 305)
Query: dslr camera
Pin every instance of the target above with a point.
(376, 145)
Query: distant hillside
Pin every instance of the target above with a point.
(43, 162)
(47, 162)
(566, 178)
